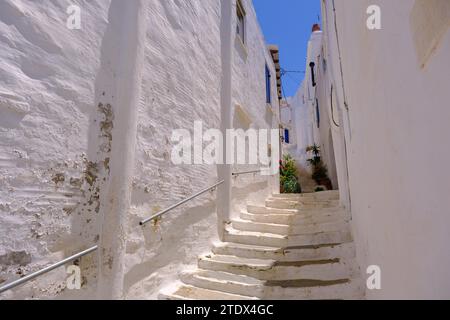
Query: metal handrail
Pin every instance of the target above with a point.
(235, 174)
(160, 213)
(74, 257)
(45, 270)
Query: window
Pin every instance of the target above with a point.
(240, 29)
(286, 136)
(268, 86)
(313, 77)
(318, 113)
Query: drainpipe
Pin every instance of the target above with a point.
(224, 170)
(118, 85)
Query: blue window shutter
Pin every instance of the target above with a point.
(286, 136)
(268, 88)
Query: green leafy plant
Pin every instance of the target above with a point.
(288, 176)
(314, 149)
(291, 185)
(320, 171)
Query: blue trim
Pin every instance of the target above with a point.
(286, 136)
(268, 86)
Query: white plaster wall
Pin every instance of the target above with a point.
(329, 121)
(304, 104)
(301, 122)
(56, 138)
(399, 192)
(181, 85)
(47, 76)
(333, 76)
(249, 92)
(286, 117)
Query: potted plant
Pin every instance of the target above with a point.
(320, 171)
(289, 182)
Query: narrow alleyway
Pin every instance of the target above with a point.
(144, 145)
(294, 247)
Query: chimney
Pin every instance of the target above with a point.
(316, 27)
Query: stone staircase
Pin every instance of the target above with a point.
(295, 247)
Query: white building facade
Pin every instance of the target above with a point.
(382, 96)
(308, 125)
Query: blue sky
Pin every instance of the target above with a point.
(288, 24)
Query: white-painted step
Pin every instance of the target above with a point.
(225, 282)
(265, 210)
(301, 212)
(350, 290)
(344, 251)
(261, 289)
(276, 240)
(247, 225)
(321, 238)
(329, 270)
(325, 195)
(285, 229)
(285, 204)
(306, 201)
(187, 292)
(255, 238)
(291, 219)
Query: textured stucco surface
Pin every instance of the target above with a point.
(181, 85)
(249, 94)
(430, 21)
(46, 105)
(56, 139)
(397, 112)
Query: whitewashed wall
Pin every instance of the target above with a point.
(329, 126)
(396, 132)
(304, 104)
(56, 138)
(249, 94)
(301, 124)
(48, 208)
(180, 85)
